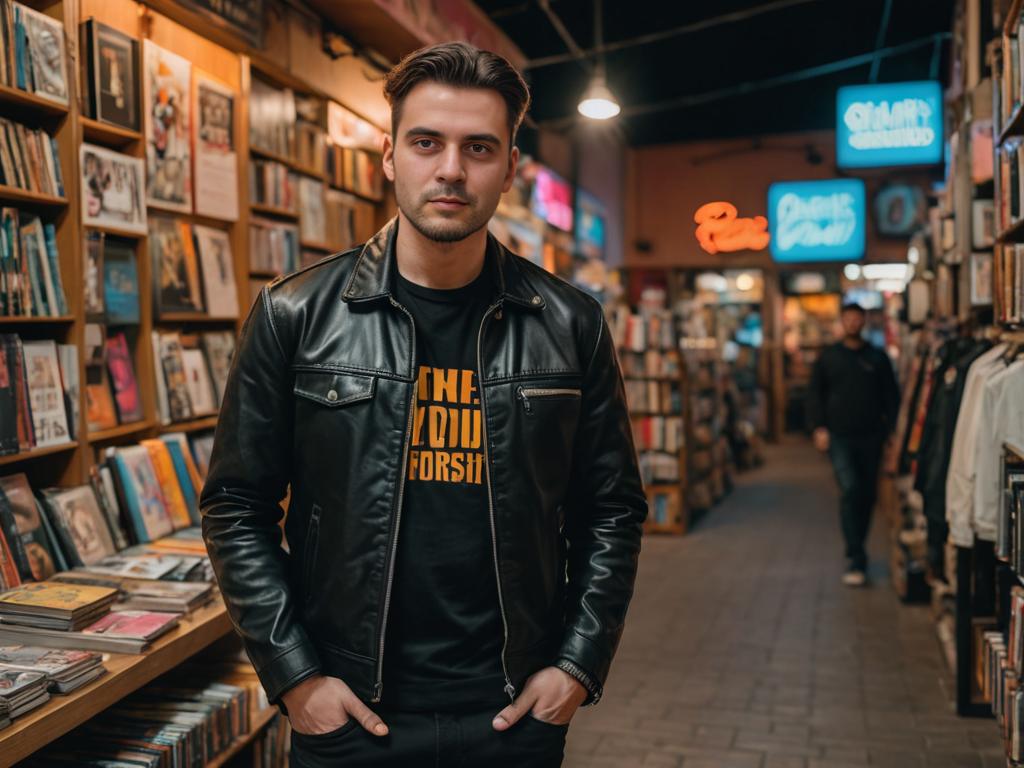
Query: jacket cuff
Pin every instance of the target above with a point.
(594, 689)
(287, 670)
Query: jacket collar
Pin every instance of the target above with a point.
(374, 273)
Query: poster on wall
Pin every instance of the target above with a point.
(216, 162)
(165, 80)
(113, 75)
(817, 220)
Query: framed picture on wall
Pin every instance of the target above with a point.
(111, 75)
(216, 164)
(175, 269)
(166, 80)
(112, 186)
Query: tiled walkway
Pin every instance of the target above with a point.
(743, 650)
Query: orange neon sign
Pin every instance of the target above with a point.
(720, 231)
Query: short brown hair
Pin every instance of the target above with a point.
(461, 65)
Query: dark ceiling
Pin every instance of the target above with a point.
(733, 50)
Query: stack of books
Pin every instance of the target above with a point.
(67, 671)
(145, 594)
(30, 281)
(38, 393)
(29, 58)
(29, 159)
(22, 691)
(50, 605)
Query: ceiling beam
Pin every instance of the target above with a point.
(575, 52)
(654, 37)
(882, 27)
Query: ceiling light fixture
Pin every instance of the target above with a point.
(598, 102)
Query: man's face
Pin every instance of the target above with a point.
(853, 323)
(449, 159)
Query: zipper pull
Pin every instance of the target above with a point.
(526, 401)
(378, 688)
(510, 691)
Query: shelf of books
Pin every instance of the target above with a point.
(148, 188)
(655, 383)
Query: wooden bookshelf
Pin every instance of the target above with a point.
(258, 723)
(273, 210)
(29, 101)
(99, 132)
(362, 196)
(314, 246)
(49, 320)
(312, 172)
(122, 430)
(38, 453)
(25, 198)
(268, 274)
(266, 154)
(1013, 233)
(195, 425)
(115, 232)
(126, 673)
(192, 317)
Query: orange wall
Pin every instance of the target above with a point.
(666, 184)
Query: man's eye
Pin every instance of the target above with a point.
(479, 149)
(424, 143)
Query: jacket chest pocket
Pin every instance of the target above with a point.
(534, 399)
(334, 390)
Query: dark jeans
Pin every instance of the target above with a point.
(433, 739)
(856, 460)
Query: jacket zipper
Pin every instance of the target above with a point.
(379, 687)
(509, 688)
(526, 394)
(310, 549)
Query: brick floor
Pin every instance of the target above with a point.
(743, 650)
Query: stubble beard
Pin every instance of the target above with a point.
(447, 230)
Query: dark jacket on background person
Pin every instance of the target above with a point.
(320, 397)
(853, 391)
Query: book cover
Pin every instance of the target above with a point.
(122, 377)
(144, 566)
(79, 513)
(103, 486)
(8, 407)
(187, 475)
(112, 75)
(144, 625)
(53, 262)
(94, 276)
(30, 249)
(67, 355)
(14, 682)
(104, 202)
(146, 506)
(51, 661)
(9, 575)
(169, 485)
(179, 404)
(57, 597)
(38, 561)
(46, 394)
(174, 265)
(218, 270)
(202, 450)
(120, 283)
(44, 40)
(219, 347)
(197, 378)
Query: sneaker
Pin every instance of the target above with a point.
(855, 578)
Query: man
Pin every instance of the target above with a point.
(852, 407)
(466, 508)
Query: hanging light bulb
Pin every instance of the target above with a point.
(598, 102)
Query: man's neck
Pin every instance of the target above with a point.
(854, 342)
(432, 264)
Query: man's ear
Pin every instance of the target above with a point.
(513, 165)
(389, 157)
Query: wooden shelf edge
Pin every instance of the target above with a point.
(361, 195)
(126, 674)
(119, 431)
(190, 317)
(266, 154)
(260, 721)
(20, 320)
(195, 425)
(98, 131)
(264, 273)
(115, 231)
(270, 210)
(36, 453)
(12, 95)
(28, 197)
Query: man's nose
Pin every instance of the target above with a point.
(451, 169)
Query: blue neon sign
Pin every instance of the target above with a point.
(889, 124)
(817, 220)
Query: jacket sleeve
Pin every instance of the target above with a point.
(816, 394)
(240, 504)
(890, 394)
(604, 518)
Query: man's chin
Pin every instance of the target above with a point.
(444, 229)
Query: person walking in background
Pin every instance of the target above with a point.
(852, 407)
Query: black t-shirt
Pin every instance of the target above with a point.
(445, 634)
(853, 391)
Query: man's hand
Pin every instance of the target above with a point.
(551, 695)
(322, 704)
(821, 439)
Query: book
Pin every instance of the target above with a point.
(202, 450)
(62, 667)
(175, 269)
(110, 75)
(30, 160)
(146, 508)
(103, 486)
(273, 246)
(219, 347)
(145, 594)
(45, 57)
(93, 277)
(218, 270)
(32, 548)
(71, 606)
(186, 472)
(78, 512)
(133, 625)
(42, 375)
(149, 565)
(272, 118)
(67, 357)
(23, 690)
(122, 377)
(120, 283)
(117, 632)
(169, 485)
(313, 224)
(8, 406)
(173, 368)
(197, 377)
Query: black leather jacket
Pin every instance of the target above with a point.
(320, 397)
